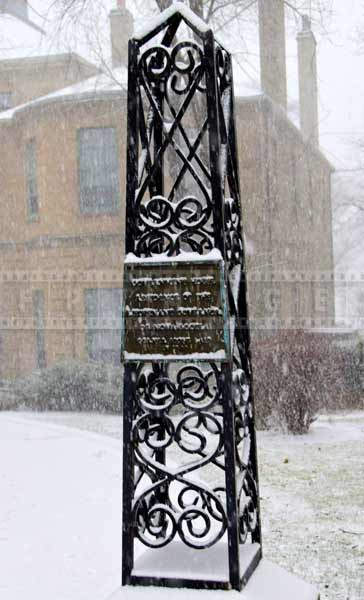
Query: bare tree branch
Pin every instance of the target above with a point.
(206, 9)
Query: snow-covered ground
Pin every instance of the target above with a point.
(60, 505)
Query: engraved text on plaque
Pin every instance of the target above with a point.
(175, 310)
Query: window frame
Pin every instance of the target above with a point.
(111, 356)
(31, 178)
(113, 207)
(39, 317)
(8, 95)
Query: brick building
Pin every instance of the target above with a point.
(62, 182)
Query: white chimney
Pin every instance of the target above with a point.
(307, 77)
(121, 30)
(272, 36)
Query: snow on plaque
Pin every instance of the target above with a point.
(175, 310)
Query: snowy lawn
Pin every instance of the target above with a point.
(60, 505)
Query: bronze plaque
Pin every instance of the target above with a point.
(175, 311)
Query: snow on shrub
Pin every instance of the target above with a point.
(295, 377)
(72, 386)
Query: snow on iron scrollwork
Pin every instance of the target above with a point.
(169, 225)
(164, 227)
(192, 456)
(174, 502)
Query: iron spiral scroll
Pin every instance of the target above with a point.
(190, 467)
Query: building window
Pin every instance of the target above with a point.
(274, 301)
(103, 324)
(296, 301)
(31, 179)
(98, 170)
(5, 100)
(38, 312)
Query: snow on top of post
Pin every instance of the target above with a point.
(186, 13)
(212, 256)
(218, 355)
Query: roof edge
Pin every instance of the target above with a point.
(62, 100)
(53, 59)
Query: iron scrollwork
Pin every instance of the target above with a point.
(172, 502)
(190, 451)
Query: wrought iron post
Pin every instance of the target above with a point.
(190, 483)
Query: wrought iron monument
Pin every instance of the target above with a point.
(190, 485)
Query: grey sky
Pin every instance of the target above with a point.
(341, 83)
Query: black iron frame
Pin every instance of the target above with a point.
(156, 225)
